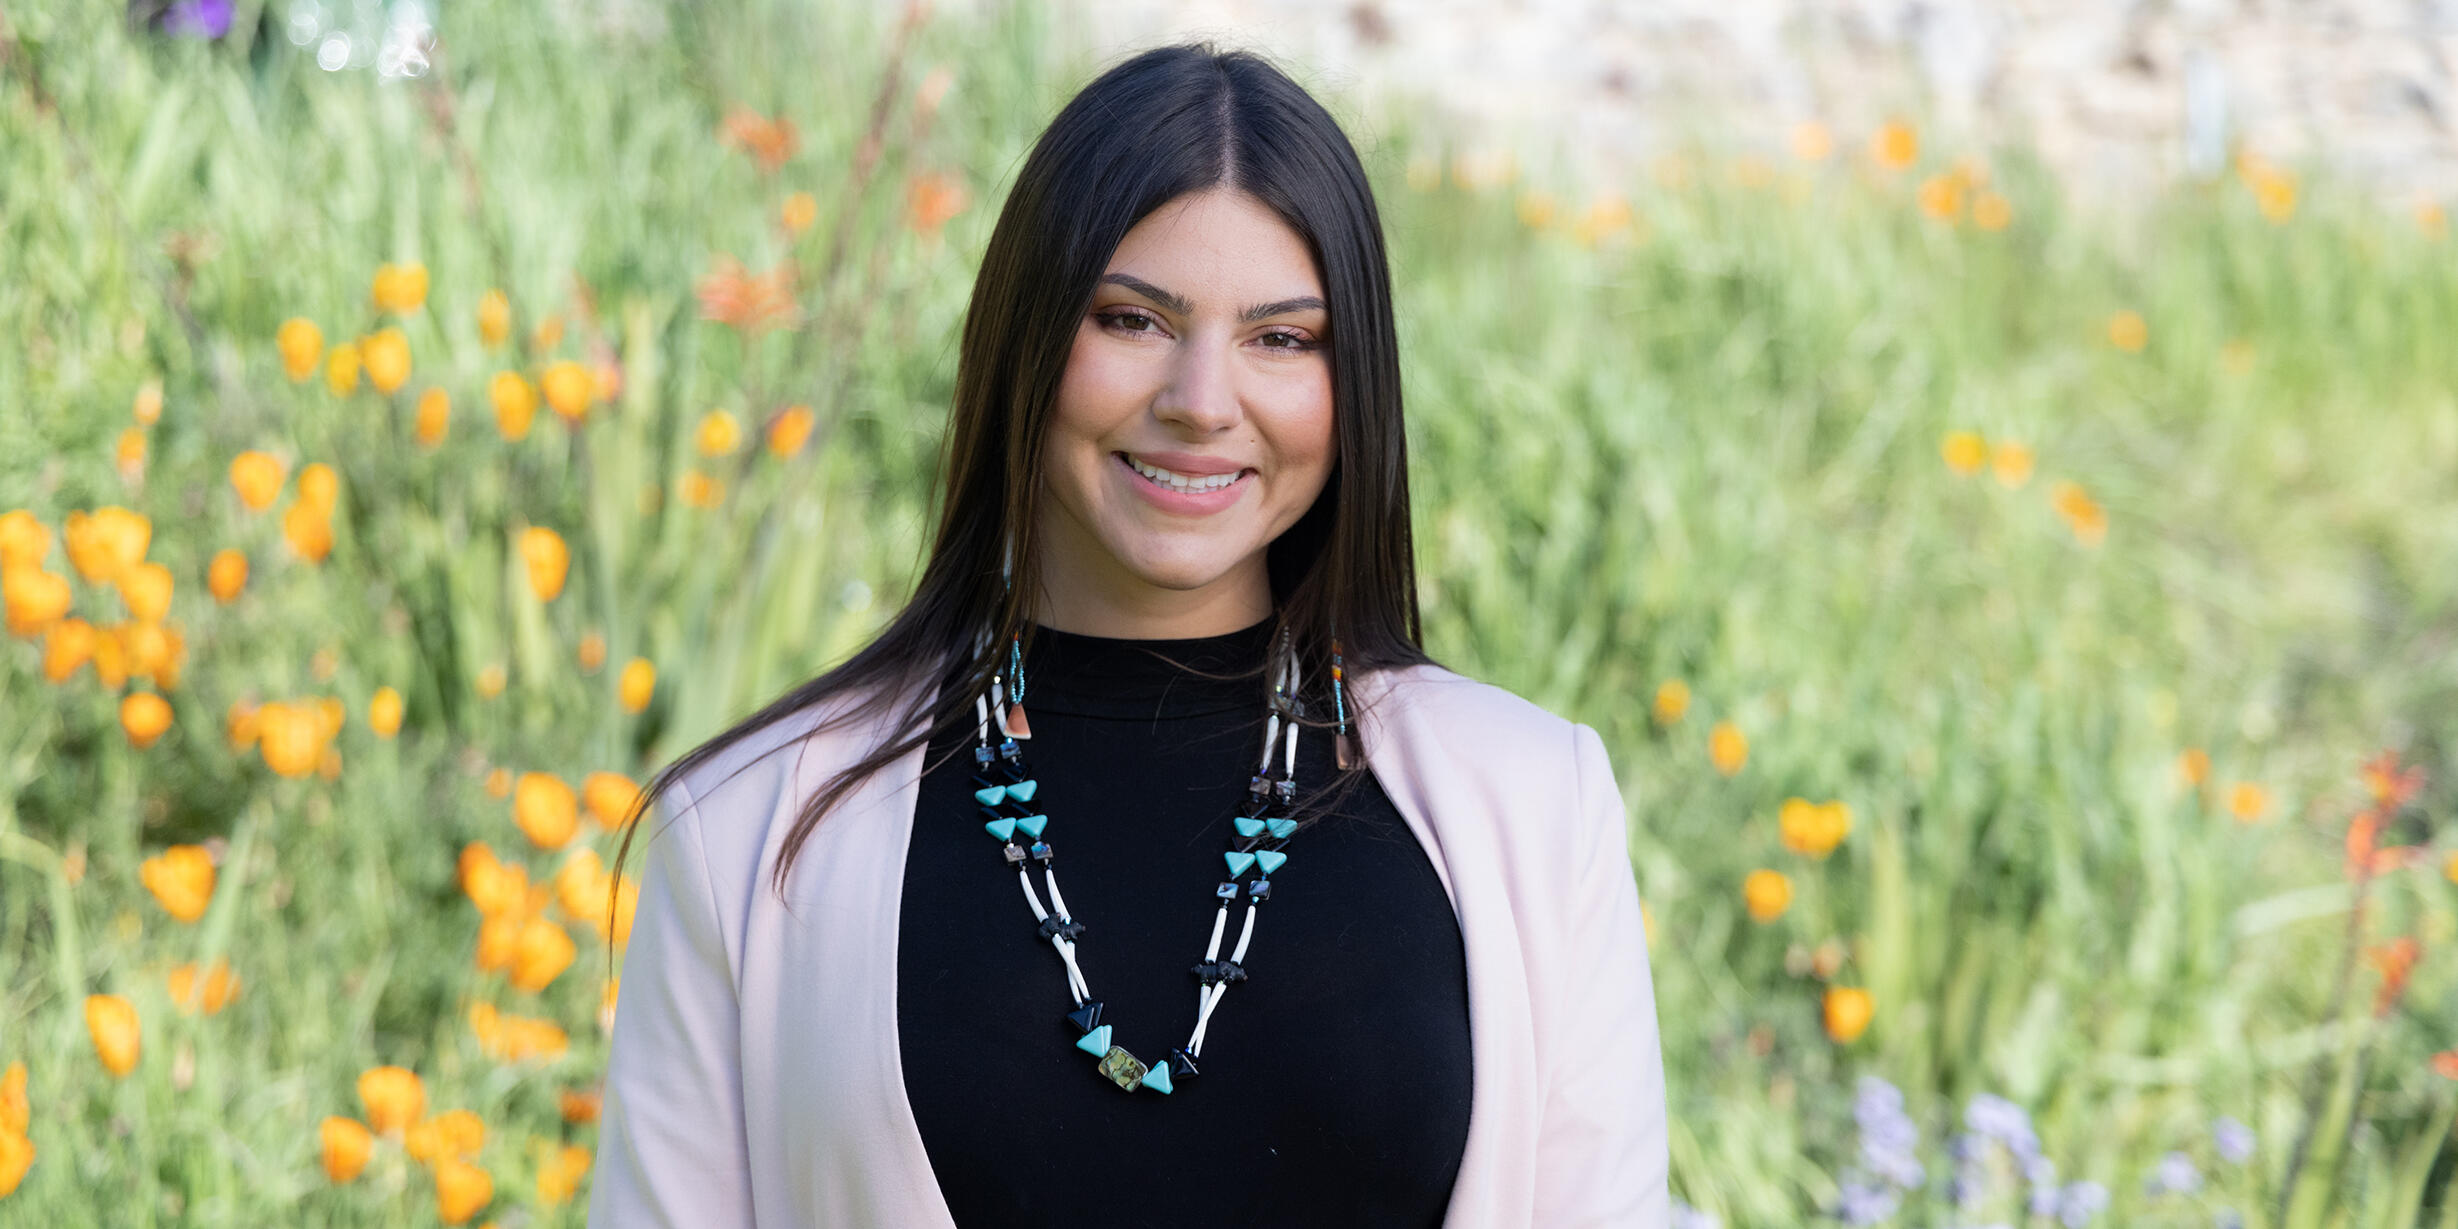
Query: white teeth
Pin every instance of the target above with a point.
(1180, 482)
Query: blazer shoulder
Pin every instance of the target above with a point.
(1460, 710)
(742, 785)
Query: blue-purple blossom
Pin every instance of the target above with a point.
(197, 18)
(1889, 1139)
(2175, 1175)
(1862, 1204)
(2233, 1139)
(1994, 1117)
(2079, 1203)
(2228, 1218)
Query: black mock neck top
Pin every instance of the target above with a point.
(1333, 1087)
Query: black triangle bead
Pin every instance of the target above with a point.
(1087, 1017)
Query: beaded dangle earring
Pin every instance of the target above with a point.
(1343, 756)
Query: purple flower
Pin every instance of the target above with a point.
(2079, 1203)
(1996, 1118)
(1859, 1204)
(197, 18)
(2234, 1140)
(2175, 1176)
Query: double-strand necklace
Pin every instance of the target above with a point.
(1010, 802)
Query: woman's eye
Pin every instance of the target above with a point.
(1121, 320)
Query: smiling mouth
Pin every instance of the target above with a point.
(1183, 484)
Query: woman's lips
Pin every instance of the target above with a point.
(1190, 502)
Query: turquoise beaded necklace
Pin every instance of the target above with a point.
(1009, 797)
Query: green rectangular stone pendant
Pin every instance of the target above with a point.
(1124, 1068)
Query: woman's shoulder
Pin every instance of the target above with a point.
(1431, 701)
(769, 769)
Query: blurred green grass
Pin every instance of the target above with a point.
(1703, 447)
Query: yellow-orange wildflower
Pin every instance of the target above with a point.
(2128, 331)
(1727, 747)
(542, 953)
(543, 551)
(1991, 211)
(608, 796)
(257, 477)
(799, 211)
(460, 1190)
(2011, 461)
(494, 318)
(546, 809)
(129, 453)
(1894, 145)
(181, 878)
(1847, 1011)
(320, 487)
(144, 717)
(2248, 802)
(1672, 701)
(385, 356)
(1941, 197)
(117, 1033)
(719, 433)
(580, 1106)
(17, 1113)
(637, 684)
(35, 599)
(308, 530)
(2082, 514)
(2193, 765)
(208, 990)
(67, 645)
(302, 346)
(24, 540)
(400, 289)
(346, 1143)
(1766, 893)
(106, 542)
(1965, 452)
(1813, 829)
(568, 387)
(434, 418)
(226, 575)
(560, 1172)
(932, 199)
(384, 712)
(146, 589)
(395, 1098)
(592, 651)
(341, 368)
(16, 1157)
(516, 403)
(453, 1133)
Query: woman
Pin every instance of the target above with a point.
(1175, 531)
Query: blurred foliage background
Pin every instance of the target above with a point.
(2023, 622)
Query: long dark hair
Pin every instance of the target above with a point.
(1170, 121)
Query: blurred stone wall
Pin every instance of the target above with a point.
(2116, 95)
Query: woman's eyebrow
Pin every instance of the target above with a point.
(1180, 304)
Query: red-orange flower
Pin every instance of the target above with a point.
(769, 141)
(732, 295)
(2395, 959)
(2391, 787)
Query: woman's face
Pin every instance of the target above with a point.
(1193, 425)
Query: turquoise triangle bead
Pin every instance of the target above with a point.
(1245, 826)
(1271, 860)
(1033, 823)
(1023, 791)
(1003, 828)
(1281, 827)
(1095, 1042)
(1157, 1079)
(1238, 862)
(990, 796)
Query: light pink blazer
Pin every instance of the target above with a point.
(755, 1077)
